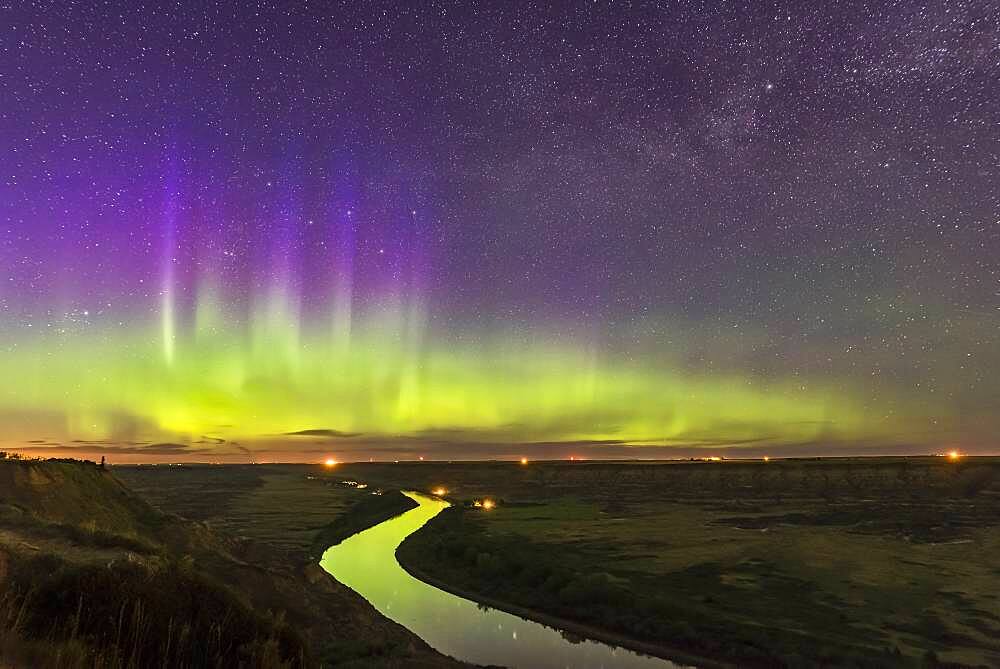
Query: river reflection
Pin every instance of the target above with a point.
(455, 626)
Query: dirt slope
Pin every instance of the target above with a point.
(76, 522)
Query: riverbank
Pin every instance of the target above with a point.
(684, 573)
(458, 626)
(271, 516)
(367, 512)
(855, 563)
(562, 624)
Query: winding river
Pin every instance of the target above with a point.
(366, 562)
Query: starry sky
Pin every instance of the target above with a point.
(489, 229)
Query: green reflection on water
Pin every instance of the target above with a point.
(366, 562)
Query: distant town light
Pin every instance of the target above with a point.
(524, 461)
(439, 491)
(330, 462)
(488, 504)
(767, 459)
(954, 455)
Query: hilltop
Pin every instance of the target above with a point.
(94, 576)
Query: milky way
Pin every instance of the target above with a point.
(453, 228)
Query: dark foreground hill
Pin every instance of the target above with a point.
(93, 576)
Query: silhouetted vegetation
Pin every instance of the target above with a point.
(133, 614)
(83, 534)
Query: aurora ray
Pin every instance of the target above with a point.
(620, 243)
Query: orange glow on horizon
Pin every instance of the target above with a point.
(330, 462)
(954, 455)
(524, 461)
(439, 491)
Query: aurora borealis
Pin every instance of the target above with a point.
(476, 231)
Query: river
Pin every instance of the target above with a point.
(366, 562)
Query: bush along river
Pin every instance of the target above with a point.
(463, 629)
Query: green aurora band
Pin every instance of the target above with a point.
(385, 372)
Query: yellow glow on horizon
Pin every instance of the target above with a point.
(954, 455)
(440, 492)
(196, 369)
(330, 462)
(524, 461)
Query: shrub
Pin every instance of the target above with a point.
(131, 615)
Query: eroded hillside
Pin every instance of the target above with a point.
(93, 576)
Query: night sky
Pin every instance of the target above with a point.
(488, 229)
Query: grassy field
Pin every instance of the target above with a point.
(284, 506)
(870, 562)
(881, 562)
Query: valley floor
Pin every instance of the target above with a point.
(91, 575)
(841, 562)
